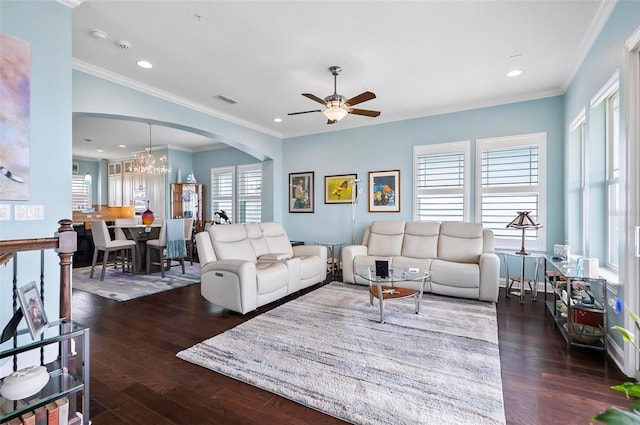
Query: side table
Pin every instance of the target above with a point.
(510, 280)
(333, 260)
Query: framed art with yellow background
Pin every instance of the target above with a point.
(339, 189)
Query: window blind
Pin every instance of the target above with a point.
(440, 186)
(80, 193)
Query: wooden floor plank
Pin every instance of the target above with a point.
(136, 378)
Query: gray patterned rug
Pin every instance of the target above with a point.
(121, 286)
(327, 351)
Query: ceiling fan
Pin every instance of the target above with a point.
(339, 106)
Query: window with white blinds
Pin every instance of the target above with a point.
(511, 178)
(80, 193)
(441, 179)
(614, 214)
(238, 192)
(222, 191)
(249, 193)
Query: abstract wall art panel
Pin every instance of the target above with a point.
(15, 83)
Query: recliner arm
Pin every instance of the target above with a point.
(348, 253)
(231, 284)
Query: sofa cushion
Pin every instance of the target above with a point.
(230, 242)
(458, 275)
(385, 238)
(271, 277)
(259, 244)
(421, 239)
(276, 238)
(460, 242)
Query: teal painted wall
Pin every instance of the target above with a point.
(46, 25)
(390, 146)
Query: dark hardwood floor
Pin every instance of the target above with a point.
(137, 379)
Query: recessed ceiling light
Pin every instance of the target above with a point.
(99, 150)
(122, 146)
(277, 120)
(99, 34)
(144, 64)
(514, 73)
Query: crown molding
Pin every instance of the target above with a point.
(590, 37)
(136, 85)
(633, 43)
(71, 3)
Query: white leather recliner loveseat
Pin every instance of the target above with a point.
(245, 266)
(460, 256)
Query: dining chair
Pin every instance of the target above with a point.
(170, 245)
(102, 242)
(188, 237)
(119, 222)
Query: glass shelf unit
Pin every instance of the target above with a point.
(68, 372)
(577, 303)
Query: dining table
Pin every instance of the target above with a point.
(140, 234)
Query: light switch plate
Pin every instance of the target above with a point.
(28, 212)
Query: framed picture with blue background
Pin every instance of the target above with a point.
(384, 191)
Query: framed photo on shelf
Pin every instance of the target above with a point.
(384, 191)
(301, 192)
(32, 308)
(340, 189)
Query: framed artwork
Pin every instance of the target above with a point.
(384, 191)
(15, 86)
(340, 189)
(32, 308)
(301, 192)
(75, 167)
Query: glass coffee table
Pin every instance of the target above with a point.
(384, 288)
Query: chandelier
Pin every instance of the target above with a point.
(147, 163)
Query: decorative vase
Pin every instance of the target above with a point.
(147, 216)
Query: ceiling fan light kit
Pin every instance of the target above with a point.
(338, 106)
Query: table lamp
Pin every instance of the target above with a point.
(524, 222)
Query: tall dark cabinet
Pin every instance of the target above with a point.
(187, 200)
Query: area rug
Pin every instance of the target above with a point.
(326, 350)
(121, 286)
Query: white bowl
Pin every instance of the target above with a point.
(24, 383)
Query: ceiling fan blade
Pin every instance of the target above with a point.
(362, 97)
(304, 112)
(364, 112)
(331, 122)
(314, 97)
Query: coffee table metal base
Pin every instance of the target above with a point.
(383, 293)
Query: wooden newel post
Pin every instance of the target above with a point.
(67, 246)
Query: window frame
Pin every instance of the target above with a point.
(248, 168)
(460, 147)
(76, 204)
(515, 142)
(235, 171)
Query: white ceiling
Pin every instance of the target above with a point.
(420, 58)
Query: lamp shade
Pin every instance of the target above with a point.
(334, 112)
(87, 179)
(523, 221)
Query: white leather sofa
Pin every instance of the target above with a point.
(460, 256)
(245, 266)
